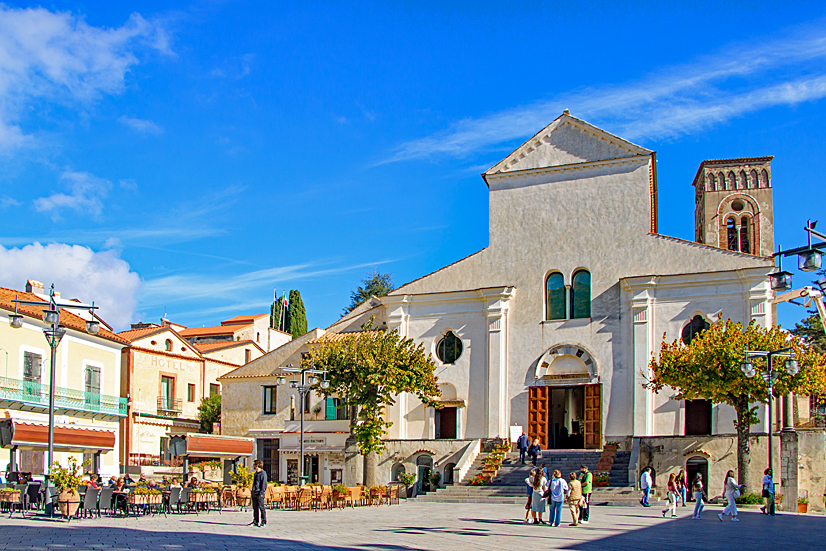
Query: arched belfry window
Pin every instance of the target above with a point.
(731, 237)
(581, 294)
(745, 241)
(167, 345)
(449, 348)
(555, 297)
(697, 325)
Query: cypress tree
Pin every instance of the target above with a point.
(275, 314)
(296, 315)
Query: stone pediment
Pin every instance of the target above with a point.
(568, 140)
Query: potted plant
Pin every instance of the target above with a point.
(204, 494)
(435, 480)
(479, 480)
(66, 480)
(406, 480)
(244, 480)
(803, 504)
(602, 479)
(144, 495)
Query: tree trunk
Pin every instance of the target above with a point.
(370, 469)
(743, 433)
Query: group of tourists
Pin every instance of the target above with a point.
(677, 490)
(549, 489)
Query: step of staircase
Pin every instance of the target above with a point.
(508, 487)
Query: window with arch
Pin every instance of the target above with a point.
(743, 183)
(731, 230)
(555, 297)
(745, 241)
(581, 294)
(721, 179)
(167, 345)
(764, 178)
(712, 184)
(732, 180)
(697, 325)
(754, 182)
(449, 348)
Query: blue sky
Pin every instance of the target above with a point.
(188, 159)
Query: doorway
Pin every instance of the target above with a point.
(268, 453)
(693, 467)
(311, 473)
(424, 466)
(446, 423)
(565, 417)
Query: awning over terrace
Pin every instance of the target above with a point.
(210, 445)
(26, 435)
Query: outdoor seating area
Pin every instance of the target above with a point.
(317, 497)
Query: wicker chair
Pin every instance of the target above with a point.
(305, 498)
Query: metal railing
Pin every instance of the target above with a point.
(169, 405)
(31, 393)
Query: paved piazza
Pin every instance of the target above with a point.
(417, 526)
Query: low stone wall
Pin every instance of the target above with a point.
(667, 454)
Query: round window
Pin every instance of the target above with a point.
(449, 348)
(737, 205)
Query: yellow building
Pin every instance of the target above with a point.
(165, 377)
(88, 403)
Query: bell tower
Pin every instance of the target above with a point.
(733, 205)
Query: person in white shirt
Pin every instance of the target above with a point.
(768, 493)
(557, 490)
(539, 485)
(732, 491)
(645, 485)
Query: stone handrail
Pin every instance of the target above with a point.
(466, 460)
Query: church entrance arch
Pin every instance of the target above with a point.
(565, 406)
(694, 466)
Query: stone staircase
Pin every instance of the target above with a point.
(508, 487)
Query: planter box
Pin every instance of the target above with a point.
(802, 507)
(601, 483)
(204, 498)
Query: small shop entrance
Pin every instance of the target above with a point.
(565, 417)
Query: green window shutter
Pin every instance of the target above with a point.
(331, 410)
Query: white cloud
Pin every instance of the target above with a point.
(77, 272)
(86, 193)
(140, 125)
(671, 103)
(6, 201)
(58, 57)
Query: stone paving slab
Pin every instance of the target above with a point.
(411, 525)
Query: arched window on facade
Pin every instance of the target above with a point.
(745, 234)
(555, 297)
(697, 325)
(732, 181)
(743, 183)
(721, 181)
(731, 230)
(712, 183)
(764, 178)
(449, 348)
(754, 182)
(581, 294)
(167, 345)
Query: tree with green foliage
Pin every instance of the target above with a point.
(377, 285)
(369, 369)
(810, 331)
(296, 315)
(275, 314)
(709, 368)
(209, 412)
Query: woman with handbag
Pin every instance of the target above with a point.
(732, 491)
(673, 496)
(539, 485)
(682, 486)
(574, 498)
(768, 493)
(699, 496)
(556, 497)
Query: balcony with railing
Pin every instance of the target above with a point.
(169, 406)
(31, 396)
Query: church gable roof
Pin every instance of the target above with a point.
(567, 140)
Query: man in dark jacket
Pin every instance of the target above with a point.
(522, 446)
(259, 488)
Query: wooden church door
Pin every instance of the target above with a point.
(593, 416)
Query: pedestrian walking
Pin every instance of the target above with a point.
(534, 451)
(645, 485)
(539, 485)
(556, 496)
(587, 481)
(673, 496)
(768, 493)
(699, 492)
(529, 485)
(732, 491)
(259, 488)
(574, 498)
(522, 445)
(682, 486)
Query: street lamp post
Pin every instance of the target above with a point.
(304, 385)
(54, 333)
(769, 374)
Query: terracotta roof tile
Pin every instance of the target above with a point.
(215, 346)
(336, 337)
(67, 318)
(134, 334)
(245, 320)
(210, 331)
